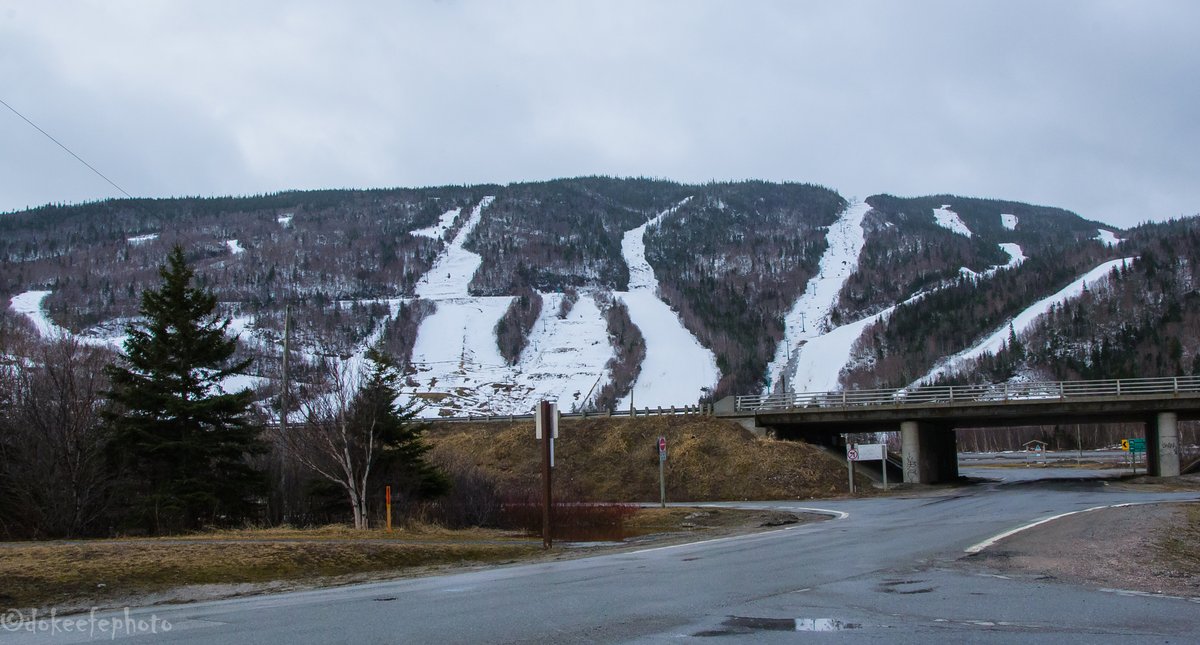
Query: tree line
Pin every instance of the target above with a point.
(155, 440)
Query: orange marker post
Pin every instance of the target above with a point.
(388, 496)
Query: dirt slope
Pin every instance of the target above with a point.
(614, 459)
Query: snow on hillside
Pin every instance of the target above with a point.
(457, 363)
(1022, 322)
(948, 219)
(1015, 257)
(809, 316)
(454, 268)
(1107, 238)
(437, 231)
(285, 219)
(29, 304)
(677, 367)
(1008, 221)
(1015, 254)
(235, 247)
(566, 359)
(142, 239)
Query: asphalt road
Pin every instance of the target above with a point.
(890, 570)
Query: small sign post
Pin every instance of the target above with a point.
(866, 452)
(662, 481)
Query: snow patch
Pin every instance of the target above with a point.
(438, 230)
(1107, 238)
(1008, 221)
(235, 247)
(809, 316)
(948, 219)
(142, 239)
(1015, 257)
(285, 219)
(29, 304)
(1022, 322)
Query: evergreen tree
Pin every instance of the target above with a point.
(401, 457)
(182, 440)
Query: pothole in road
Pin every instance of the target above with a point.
(903, 587)
(749, 624)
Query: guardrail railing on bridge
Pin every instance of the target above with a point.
(963, 394)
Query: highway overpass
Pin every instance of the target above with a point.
(928, 416)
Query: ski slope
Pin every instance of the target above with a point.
(458, 366)
(809, 316)
(1107, 238)
(1008, 221)
(948, 219)
(677, 367)
(1022, 322)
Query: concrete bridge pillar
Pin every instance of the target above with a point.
(1162, 445)
(930, 453)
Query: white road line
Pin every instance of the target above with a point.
(837, 515)
(976, 548)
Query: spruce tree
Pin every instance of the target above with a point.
(401, 456)
(181, 439)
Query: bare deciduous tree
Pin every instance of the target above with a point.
(53, 441)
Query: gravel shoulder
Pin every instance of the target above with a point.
(1150, 548)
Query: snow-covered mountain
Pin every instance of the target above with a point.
(615, 292)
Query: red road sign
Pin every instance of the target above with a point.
(852, 454)
(662, 444)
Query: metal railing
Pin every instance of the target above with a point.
(969, 394)
(705, 410)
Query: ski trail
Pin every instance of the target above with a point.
(566, 359)
(1021, 323)
(950, 220)
(677, 367)
(452, 271)
(809, 317)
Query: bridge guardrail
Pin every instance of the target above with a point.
(963, 394)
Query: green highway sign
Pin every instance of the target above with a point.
(1133, 445)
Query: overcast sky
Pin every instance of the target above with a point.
(1091, 106)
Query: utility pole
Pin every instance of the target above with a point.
(283, 413)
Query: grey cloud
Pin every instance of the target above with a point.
(1084, 105)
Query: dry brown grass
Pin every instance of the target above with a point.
(1179, 547)
(614, 459)
(81, 573)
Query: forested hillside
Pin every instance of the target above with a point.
(734, 259)
(535, 276)
(1144, 320)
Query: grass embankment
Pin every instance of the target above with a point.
(103, 572)
(600, 459)
(613, 459)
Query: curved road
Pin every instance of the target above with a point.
(888, 570)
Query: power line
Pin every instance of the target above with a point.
(60, 144)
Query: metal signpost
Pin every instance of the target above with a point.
(1133, 446)
(662, 482)
(546, 429)
(866, 452)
